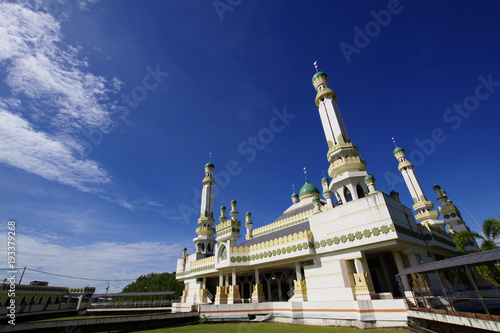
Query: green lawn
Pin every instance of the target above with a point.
(268, 327)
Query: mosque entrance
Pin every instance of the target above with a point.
(383, 272)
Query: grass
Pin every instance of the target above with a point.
(268, 327)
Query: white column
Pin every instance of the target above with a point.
(233, 278)
(297, 269)
(400, 265)
(257, 278)
(221, 279)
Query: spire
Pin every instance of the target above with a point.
(424, 208)
(347, 169)
(316, 66)
(450, 212)
(205, 231)
(305, 174)
(396, 146)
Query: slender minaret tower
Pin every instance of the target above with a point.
(424, 208)
(347, 169)
(206, 221)
(449, 211)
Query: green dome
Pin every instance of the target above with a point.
(369, 177)
(308, 189)
(449, 227)
(209, 165)
(394, 192)
(233, 202)
(436, 187)
(295, 195)
(318, 74)
(324, 179)
(222, 207)
(248, 213)
(315, 199)
(325, 192)
(397, 150)
(184, 249)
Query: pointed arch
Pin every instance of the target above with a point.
(347, 194)
(360, 191)
(222, 255)
(209, 248)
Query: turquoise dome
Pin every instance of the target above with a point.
(397, 150)
(318, 74)
(369, 177)
(309, 189)
(209, 165)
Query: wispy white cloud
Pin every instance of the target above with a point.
(53, 97)
(98, 260)
(36, 152)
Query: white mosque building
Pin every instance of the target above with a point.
(320, 262)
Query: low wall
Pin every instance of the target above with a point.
(361, 314)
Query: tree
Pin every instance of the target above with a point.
(491, 230)
(156, 282)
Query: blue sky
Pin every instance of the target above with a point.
(109, 111)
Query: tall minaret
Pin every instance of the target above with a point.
(424, 208)
(450, 212)
(206, 221)
(347, 169)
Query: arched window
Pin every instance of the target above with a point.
(360, 191)
(209, 249)
(202, 247)
(347, 194)
(222, 253)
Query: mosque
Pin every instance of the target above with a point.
(332, 257)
